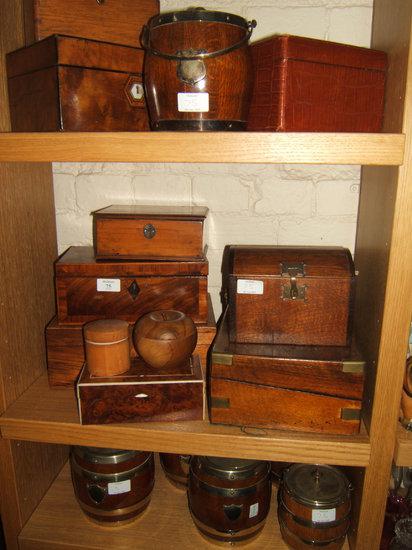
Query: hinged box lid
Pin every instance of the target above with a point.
(299, 48)
(139, 211)
(74, 52)
(79, 261)
(287, 261)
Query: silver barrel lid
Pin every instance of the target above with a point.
(98, 455)
(232, 468)
(316, 485)
(197, 14)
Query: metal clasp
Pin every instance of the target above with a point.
(293, 291)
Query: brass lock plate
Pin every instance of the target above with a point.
(293, 291)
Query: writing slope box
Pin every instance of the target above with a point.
(143, 395)
(301, 388)
(304, 84)
(149, 232)
(65, 348)
(72, 84)
(87, 289)
(291, 295)
(118, 21)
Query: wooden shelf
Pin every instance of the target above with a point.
(58, 522)
(403, 447)
(229, 147)
(50, 415)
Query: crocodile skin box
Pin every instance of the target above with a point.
(304, 84)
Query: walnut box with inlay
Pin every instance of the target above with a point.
(87, 289)
(290, 295)
(143, 394)
(149, 232)
(302, 388)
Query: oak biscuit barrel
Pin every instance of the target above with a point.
(229, 498)
(112, 486)
(197, 70)
(176, 468)
(314, 506)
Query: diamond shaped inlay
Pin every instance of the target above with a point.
(134, 290)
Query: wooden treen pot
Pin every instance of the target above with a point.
(112, 486)
(197, 70)
(229, 498)
(165, 339)
(314, 506)
(176, 467)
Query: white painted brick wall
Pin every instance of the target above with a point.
(249, 204)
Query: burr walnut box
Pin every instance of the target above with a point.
(87, 289)
(149, 232)
(143, 394)
(118, 21)
(74, 84)
(302, 388)
(290, 295)
(304, 84)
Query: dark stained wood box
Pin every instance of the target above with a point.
(117, 21)
(73, 84)
(65, 349)
(149, 232)
(87, 289)
(302, 388)
(291, 295)
(143, 395)
(304, 84)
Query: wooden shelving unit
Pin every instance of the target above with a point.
(38, 424)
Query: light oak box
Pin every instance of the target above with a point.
(143, 232)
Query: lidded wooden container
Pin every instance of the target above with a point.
(107, 347)
(112, 486)
(314, 505)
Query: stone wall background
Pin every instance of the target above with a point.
(249, 204)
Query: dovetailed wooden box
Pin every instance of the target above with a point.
(72, 84)
(143, 394)
(88, 289)
(118, 21)
(149, 232)
(290, 295)
(305, 84)
(65, 348)
(302, 388)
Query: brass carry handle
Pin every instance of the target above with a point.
(179, 56)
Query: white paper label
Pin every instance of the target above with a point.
(108, 285)
(118, 487)
(193, 102)
(254, 510)
(246, 286)
(324, 516)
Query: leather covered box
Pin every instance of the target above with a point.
(304, 84)
(65, 348)
(290, 295)
(73, 84)
(302, 388)
(143, 394)
(149, 232)
(118, 21)
(87, 289)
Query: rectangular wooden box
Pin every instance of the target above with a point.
(304, 84)
(291, 295)
(87, 289)
(65, 349)
(149, 232)
(73, 84)
(118, 21)
(143, 395)
(303, 388)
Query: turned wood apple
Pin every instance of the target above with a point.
(164, 339)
